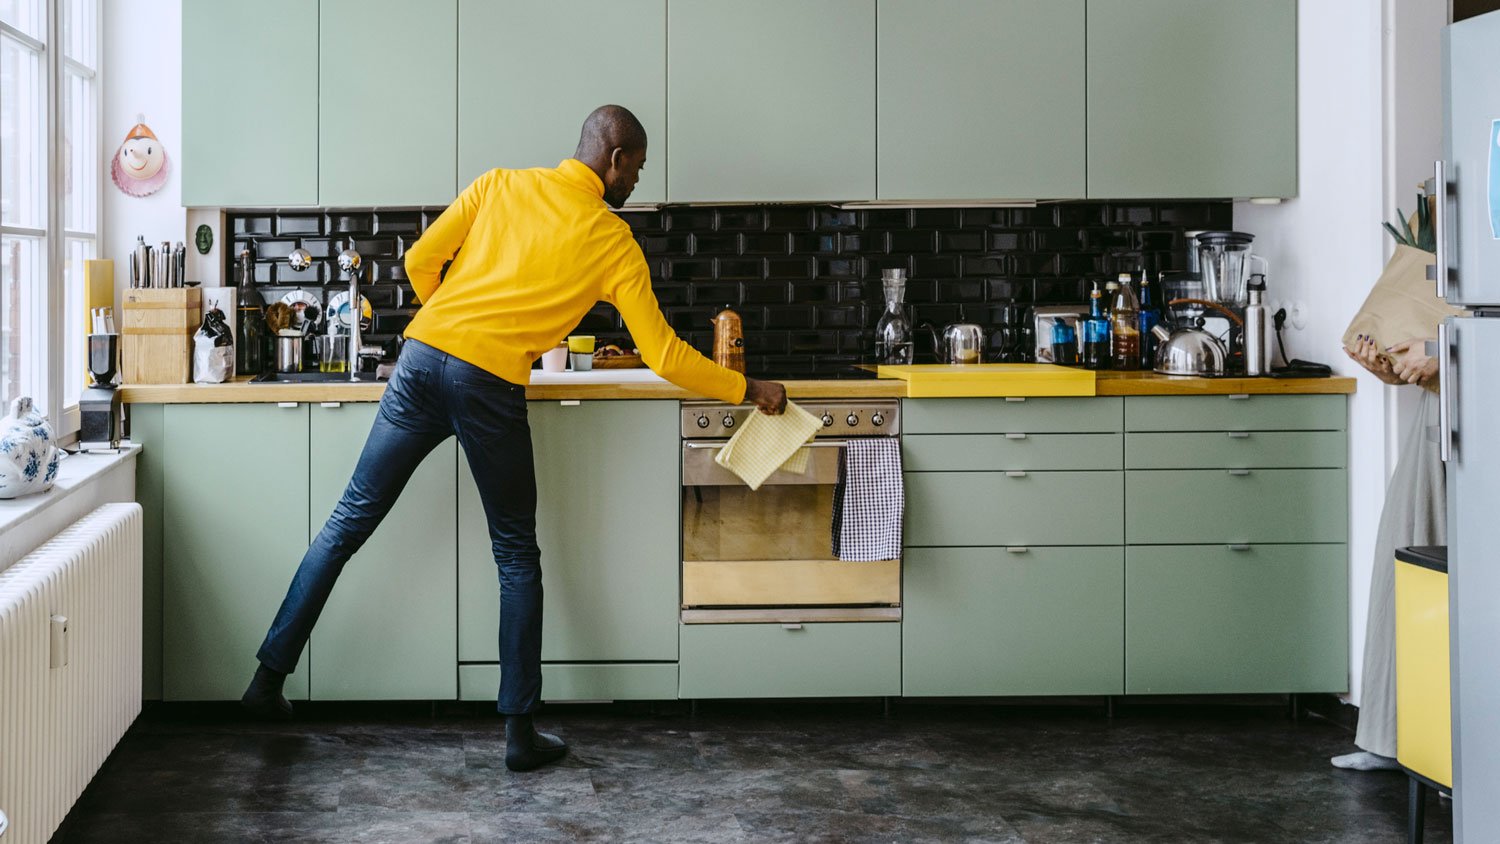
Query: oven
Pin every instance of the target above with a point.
(766, 555)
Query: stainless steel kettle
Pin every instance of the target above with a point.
(1189, 351)
(961, 343)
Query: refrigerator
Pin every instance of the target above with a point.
(1467, 271)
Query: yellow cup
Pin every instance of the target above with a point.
(581, 344)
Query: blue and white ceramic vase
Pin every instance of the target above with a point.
(28, 457)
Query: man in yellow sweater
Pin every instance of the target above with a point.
(528, 253)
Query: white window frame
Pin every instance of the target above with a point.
(62, 409)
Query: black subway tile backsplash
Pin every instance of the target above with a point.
(805, 279)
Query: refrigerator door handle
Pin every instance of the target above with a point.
(1437, 187)
(1445, 393)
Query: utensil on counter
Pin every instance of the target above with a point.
(962, 343)
(1191, 350)
(289, 351)
(729, 340)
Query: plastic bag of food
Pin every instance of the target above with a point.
(213, 350)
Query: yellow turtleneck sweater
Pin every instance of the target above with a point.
(532, 252)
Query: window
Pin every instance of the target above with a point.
(50, 166)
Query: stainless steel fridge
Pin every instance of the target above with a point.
(1468, 274)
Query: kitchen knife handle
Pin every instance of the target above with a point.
(1438, 187)
(1445, 394)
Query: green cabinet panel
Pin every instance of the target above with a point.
(1236, 450)
(607, 527)
(747, 122)
(952, 125)
(1007, 416)
(387, 102)
(389, 630)
(250, 103)
(1188, 98)
(1168, 507)
(982, 621)
(1235, 413)
(1210, 620)
(857, 659)
(565, 682)
(990, 452)
(234, 529)
(507, 119)
(1032, 508)
(146, 421)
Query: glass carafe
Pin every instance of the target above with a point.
(893, 337)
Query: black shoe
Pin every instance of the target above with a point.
(526, 749)
(263, 698)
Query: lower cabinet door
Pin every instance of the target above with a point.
(571, 682)
(969, 509)
(389, 631)
(853, 659)
(1206, 619)
(991, 621)
(1236, 505)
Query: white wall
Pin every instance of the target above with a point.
(1325, 248)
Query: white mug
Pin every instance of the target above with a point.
(555, 359)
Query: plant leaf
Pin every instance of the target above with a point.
(1395, 234)
(1401, 217)
(1426, 238)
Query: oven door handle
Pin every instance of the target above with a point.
(700, 469)
(824, 444)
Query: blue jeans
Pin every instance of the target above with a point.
(432, 396)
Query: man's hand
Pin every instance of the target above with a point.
(769, 396)
(1412, 365)
(1367, 354)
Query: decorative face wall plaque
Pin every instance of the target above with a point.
(140, 165)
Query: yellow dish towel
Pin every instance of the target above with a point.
(768, 443)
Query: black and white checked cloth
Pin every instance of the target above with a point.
(869, 501)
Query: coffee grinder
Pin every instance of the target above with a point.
(99, 407)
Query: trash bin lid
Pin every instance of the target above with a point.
(1433, 557)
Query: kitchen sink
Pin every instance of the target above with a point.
(311, 378)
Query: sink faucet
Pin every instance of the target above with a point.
(350, 262)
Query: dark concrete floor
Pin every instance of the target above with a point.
(747, 772)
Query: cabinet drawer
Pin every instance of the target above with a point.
(984, 621)
(1006, 416)
(561, 681)
(1235, 413)
(1000, 452)
(1236, 450)
(1235, 506)
(1210, 620)
(996, 508)
(859, 659)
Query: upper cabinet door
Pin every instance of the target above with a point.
(772, 100)
(249, 96)
(387, 102)
(981, 99)
(530, 71)
(1192, 98)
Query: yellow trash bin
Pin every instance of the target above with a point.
(1424, 720)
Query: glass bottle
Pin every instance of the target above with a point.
(1064, 342)
(249, 349)
(1096, 352)
(1150, 317)
(1124, 326)
(893, 337)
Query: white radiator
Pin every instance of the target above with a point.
(70, 666)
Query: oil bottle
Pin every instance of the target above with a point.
(1124, 327)
(1096, 352)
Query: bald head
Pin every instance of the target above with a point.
(613, 145)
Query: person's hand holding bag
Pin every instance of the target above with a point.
(1411, 364)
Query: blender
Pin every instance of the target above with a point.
(1224, 264)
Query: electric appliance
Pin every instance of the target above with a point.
(99, 407)
(1467, 270)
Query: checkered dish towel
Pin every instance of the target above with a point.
(767, 443)
(869, 501)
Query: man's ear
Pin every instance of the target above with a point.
(614, 157)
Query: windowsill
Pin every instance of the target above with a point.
(74, 475)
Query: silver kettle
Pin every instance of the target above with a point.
(961, 343)
(1189, 351)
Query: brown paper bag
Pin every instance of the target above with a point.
(1403, 304)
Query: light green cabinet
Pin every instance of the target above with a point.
(1165, 507)
(856, 659)
(1235, 413)
(507, 119)
(1215, 620)
(562, 681)
(249, 126)
(1014, 508)
(1009, 452)
(984, 621)
(1188, 98)
(389, 630)
(956, 120)
(1236, 450)
(607, 501)
(770, 101)
(387, 118)
(234, 529)
(1012, 415)
(147, 430)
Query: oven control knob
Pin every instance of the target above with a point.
(877, 420)
(852, 420)
(702, 421)
(728, 421)
(828, 420)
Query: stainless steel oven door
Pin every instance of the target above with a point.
(699, 468)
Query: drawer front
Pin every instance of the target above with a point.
(860, 659)
(1004, 416)
(1235, 413)
(1237, 450)
(565, 682)
(984, 621)
(995, 508)
(1000, 452)
(1210, 620)
(1164, 507)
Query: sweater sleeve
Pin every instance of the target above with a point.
(442, 240)
(662, 350)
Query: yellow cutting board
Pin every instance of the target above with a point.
(991, 379)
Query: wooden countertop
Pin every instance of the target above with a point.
(1108, 384)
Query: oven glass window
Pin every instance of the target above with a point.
(776, 522)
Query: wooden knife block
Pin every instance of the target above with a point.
(157, 328)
